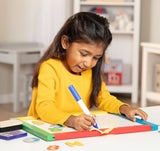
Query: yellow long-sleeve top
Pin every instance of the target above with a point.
(53, 102)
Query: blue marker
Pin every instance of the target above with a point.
(80, 102)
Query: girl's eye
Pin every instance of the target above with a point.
(83, 54)
(96, 58)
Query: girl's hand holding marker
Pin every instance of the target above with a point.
(83, 107)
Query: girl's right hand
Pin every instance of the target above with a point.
(80, 122)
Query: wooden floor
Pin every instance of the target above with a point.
(6, 110)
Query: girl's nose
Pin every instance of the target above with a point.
(88, 63)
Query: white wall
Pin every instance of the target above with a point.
(155, 22)
(150, 21)
(32, 20)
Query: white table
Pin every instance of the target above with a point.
(150, 57)
(17, 54)
(141, 141)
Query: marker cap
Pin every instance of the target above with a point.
(74, 93)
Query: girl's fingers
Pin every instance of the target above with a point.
(85, 122)
(142, 114)
(139, 112)
(94, 116)
(90, 120)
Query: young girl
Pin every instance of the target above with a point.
(75, 58)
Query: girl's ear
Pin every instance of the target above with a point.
(64, 42)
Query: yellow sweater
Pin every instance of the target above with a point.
(53, 102)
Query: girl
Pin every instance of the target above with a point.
(75, 58)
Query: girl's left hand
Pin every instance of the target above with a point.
(131, 112)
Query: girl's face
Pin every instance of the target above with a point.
(80, 56)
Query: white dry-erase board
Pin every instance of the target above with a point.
(108, 124)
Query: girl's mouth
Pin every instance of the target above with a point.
(79, 68)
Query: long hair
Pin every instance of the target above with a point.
(84, 27)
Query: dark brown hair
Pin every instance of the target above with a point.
(84, 27)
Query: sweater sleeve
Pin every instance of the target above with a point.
(48, 112)
(46, 104)
(108, 102)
